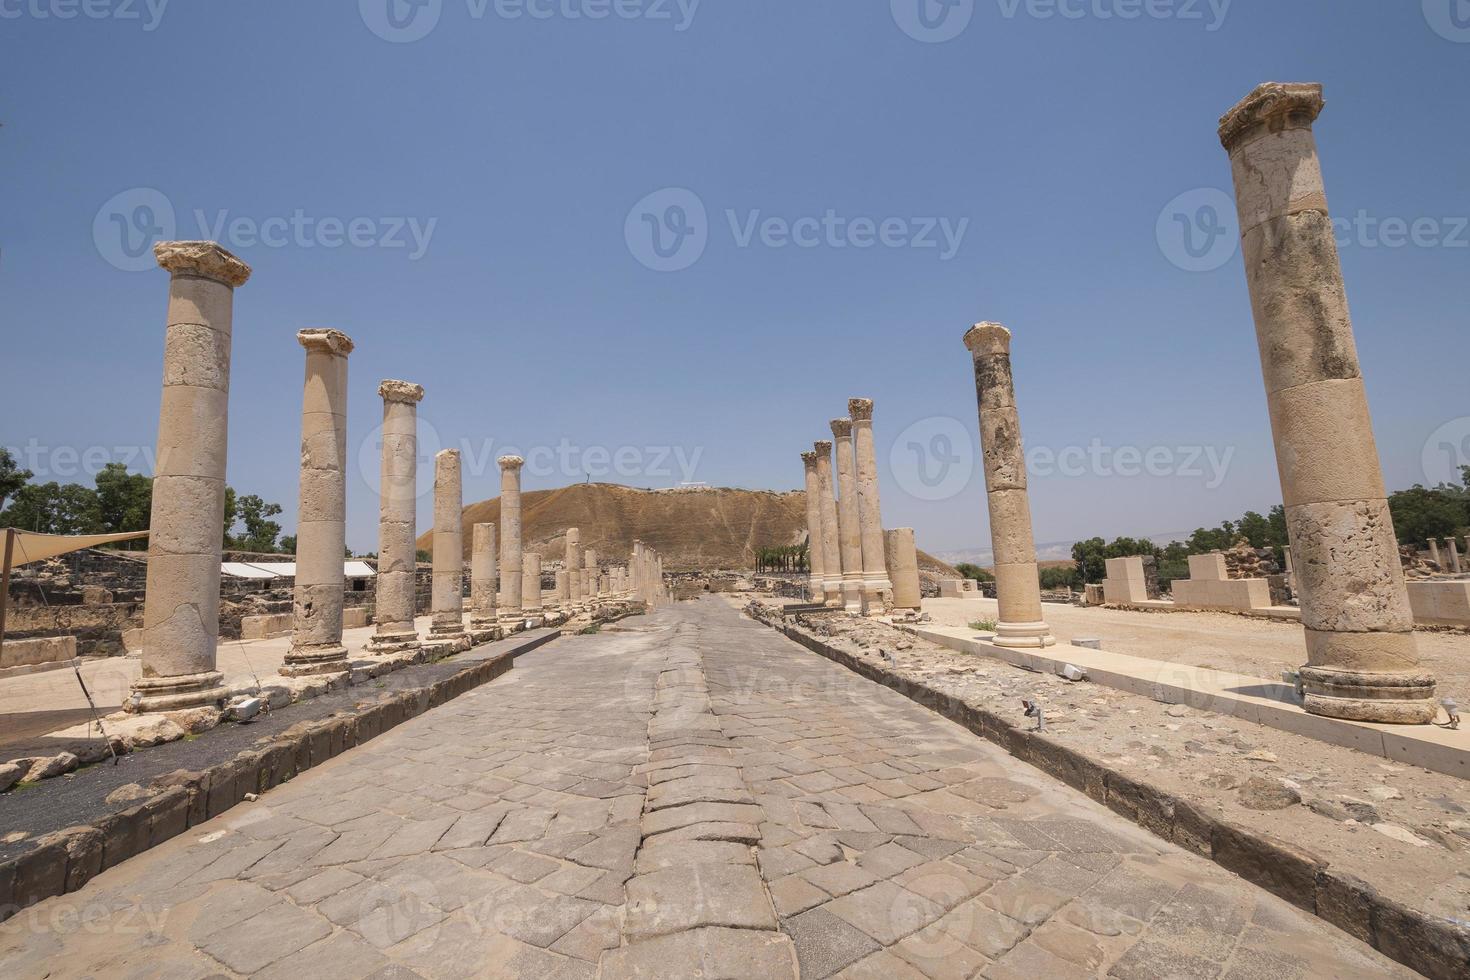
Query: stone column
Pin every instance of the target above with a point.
(447, 626)
(511, 565)
(849, 530)
(813, 527)
(482, 577)
(396, 587)
(573, 562)
(321, 525)
(877, 589)
(181, 607)
(1017, 585)
(564, 589)
(903, 568)
(531, 586)
(831, 550)
(1454, 555)
(1362, 661)
(1434, 553)
(589, 569)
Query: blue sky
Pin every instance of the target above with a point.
(501, 176)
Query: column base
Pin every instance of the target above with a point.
(1355, 695)
(1023, 635)
(386, 643)
(307, 661)
(852, 597)
(153, 694)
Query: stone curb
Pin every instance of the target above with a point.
(1433, 946)
(66, 860)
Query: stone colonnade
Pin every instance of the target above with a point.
(1362, 659)
(321, 529)
(877, 589)
(1018, 587)
(846, 557)
(181, 607)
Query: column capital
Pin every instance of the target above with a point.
(205, 259)
(325, 340)
(988, 338)
(1273, 107)
(401, 391)
(447, 456)
(822, 448)
(860, 409)
(842, 428)
(511, 462)
(810, 459)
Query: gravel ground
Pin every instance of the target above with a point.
(1256, 647)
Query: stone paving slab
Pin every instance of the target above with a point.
(506, 834)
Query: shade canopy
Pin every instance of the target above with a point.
(31, 547)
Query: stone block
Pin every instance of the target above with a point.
(38, 651)
(1434, 603)
(265, 627)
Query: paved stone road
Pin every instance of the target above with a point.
(683, 793)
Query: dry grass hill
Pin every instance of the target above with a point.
(695, 528)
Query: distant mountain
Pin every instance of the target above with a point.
(693, 528)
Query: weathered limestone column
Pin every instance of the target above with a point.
(482, 576)
(447, 625)
(831, 549)
(877, 589)
(511, 564)
(1454, 555)
(590, 570)
(903, 568)
(321, 528)
(398, 500)
(814, 527)
(1434, 553)
(564, 589)
(1362, 661)
(181, 608)
(849, 530)
(1017, 584)
(531, 586)
(573, 562)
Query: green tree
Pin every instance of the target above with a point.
(260, 532)
(288, 546)
(975, 572)
(12, 477)
(53, 508)
(1420, 514)
(124, 500)
(1091, 555)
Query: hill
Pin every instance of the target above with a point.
(694, 528)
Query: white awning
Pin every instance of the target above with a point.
(287, 569)
(28, 546)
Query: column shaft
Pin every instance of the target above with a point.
(877, 589)
(511, 565)
(321, 528)
(448, 608)
(903, 568)
(1362, 660)
(849, 528)
(572, 560)
(813, 527)
(396, 585)
(531, 585)
(181, 608)
(831, 549)
(1018, 587)
(482, 575)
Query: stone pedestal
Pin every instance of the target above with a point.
(815, 567)
(321, 529)
(831, 550)
(849, 530)
(181, 608)
(877, 589)
(903, 568)
(1362, 661)
(1017, 585)
(398, 501)
(511, 563)
(446, 627)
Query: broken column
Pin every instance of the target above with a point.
(447, 623)
(1434, 553)
(321, 528)
(511, 565)
(1017, 585)
(831, 550)
(181, 606)
(396, 593)
(813, 527)
(1454, 555)
(531, 602)
(849, 530)
(564, 589)
(1362, 661)
(483, 611)
(572, 561)
(877, 589)
(903, 568)
(590, 570)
